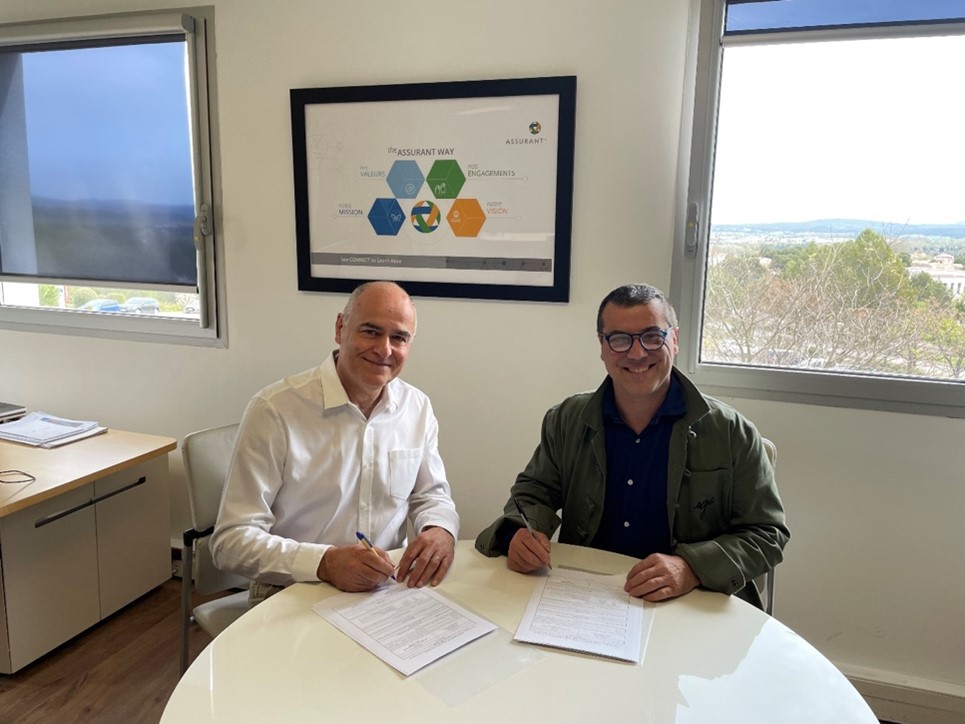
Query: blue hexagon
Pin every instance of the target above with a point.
(405, 179)
(386, 217)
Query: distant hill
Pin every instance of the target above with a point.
(114, 211)
(115, 241)
(850, 227)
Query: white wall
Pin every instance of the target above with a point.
(875, 501)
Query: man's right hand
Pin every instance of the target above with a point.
(355, 567)
(528, 553)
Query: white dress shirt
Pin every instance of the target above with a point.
(309, 470)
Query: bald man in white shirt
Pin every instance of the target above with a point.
(342, 448)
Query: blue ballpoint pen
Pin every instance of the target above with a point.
(368, 544)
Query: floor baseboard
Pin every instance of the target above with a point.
(908, 701)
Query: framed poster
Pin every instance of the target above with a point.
(458, 189)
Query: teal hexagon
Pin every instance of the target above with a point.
(405, 179)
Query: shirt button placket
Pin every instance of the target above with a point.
(366, 482)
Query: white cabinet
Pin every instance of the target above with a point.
(133, 533)
(70, 560)
(49, 575)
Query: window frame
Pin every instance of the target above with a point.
(210, 329)
(692, 231)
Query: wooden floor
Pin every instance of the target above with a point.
(121, 671)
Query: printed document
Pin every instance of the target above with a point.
(407, 628)
(41, 428)
(587, 612)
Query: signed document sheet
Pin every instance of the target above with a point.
(407, 628)
(586, 612)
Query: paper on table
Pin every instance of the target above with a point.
(586, 612)
(74, 438)
(407, 628)
(37, 428)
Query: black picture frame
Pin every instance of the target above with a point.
(509, 142)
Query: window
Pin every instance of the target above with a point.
(821, 246)
(108, 185)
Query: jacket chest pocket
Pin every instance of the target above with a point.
(703, 505)
(403, 470)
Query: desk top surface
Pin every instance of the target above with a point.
(65, 468)
(710, 658)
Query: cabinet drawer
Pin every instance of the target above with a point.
(132, 508)
(49, 555)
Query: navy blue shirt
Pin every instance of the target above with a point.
(634, 519)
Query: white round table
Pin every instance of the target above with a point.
(710, 659)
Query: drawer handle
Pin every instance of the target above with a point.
(48, 519)
(140, 481)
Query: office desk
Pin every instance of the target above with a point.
(710, 658)
(90, 535)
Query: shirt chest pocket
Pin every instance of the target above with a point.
(403, 471)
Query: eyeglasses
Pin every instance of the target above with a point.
(651, 340)
(16, 476)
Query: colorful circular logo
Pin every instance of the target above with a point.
(425, 216)
(535, 127)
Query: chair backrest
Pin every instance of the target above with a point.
(771, 449)
(207, 455)
(765, 583)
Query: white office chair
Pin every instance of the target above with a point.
(207, 454)
(765, 582)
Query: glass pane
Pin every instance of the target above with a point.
(100, 300)
(109, 167)
(777, 15)
(837, 235)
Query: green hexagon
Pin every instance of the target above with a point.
(445, 178)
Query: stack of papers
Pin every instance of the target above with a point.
(407, 628)
(589, 613)
(44, 430)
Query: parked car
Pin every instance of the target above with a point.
(100, 305)
(191, 308)
(141, 305)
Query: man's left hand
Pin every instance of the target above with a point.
(427, 559)
(659, 577)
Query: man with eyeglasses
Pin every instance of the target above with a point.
(649, 467)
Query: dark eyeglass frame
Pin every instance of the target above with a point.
(621, 336)
(16, 476)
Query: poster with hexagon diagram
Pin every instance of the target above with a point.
(458, 189)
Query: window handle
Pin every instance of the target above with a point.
(692, 229)
(202, 227)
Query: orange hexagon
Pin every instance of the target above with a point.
(466, 217)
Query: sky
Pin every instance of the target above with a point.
(847, 129)
(124, 137)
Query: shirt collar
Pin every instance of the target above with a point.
(674, 405)
(334, 394)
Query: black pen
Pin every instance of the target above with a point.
(526, 521)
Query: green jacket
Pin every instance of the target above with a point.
(726, 517)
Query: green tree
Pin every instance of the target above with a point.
(81, 295)
(945, 335)
(848, 305)
(928, 289)
(49, 295)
